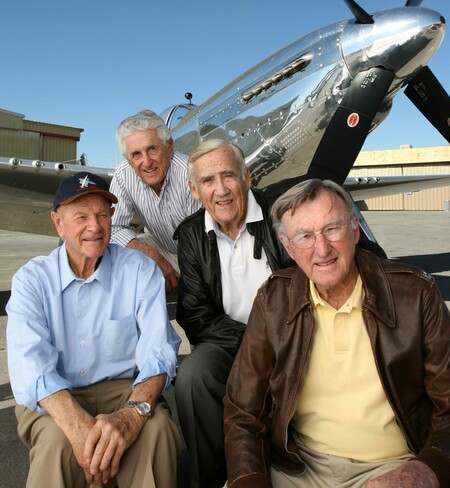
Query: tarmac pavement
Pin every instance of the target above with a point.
(418, 238)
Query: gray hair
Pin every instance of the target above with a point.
(209, 146)
(144, 120)
(305, 191)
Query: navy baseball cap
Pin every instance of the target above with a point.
(80, 184)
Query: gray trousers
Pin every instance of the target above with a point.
(199, 394)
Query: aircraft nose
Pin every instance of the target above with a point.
(400, 40)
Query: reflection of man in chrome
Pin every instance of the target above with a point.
(225, 251)
(89, 357)
(342, 378)
(152, 183)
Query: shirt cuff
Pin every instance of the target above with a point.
(438, 461)
(46, 385)
(164, 362)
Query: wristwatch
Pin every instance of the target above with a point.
(143, 408)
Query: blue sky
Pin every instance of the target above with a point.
(90, 63)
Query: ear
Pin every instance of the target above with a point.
(355, 220)
(170, 146)
(58, 223)
(194, 191)
(248, 180)
(286, 244)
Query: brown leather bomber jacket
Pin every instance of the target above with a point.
(409, 328)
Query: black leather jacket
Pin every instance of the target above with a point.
(200, 309)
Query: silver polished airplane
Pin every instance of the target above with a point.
(303, 112)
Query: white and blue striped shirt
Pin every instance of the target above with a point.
(160, 214)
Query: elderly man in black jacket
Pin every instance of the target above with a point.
(225, 252)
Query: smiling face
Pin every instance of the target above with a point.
(85, 225)
(149, 156)
(221, 188)
(330, 265)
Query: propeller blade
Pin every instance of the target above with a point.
(429, 96)
(349, 126)
(361, 16)
(413, 3)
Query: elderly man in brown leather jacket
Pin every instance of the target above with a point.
(342, 378)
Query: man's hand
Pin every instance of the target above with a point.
(76, 424)
(108, 439)
(413, 474)
(77, 438)
(170, 274)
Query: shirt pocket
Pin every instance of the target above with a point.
(121, 338)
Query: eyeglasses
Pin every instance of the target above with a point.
(332, 233)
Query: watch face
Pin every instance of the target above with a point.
(144, 408)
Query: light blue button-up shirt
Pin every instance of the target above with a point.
(65, 332)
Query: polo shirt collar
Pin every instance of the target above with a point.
(355, 300)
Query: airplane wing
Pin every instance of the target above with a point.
(364, 188)
(26, 191)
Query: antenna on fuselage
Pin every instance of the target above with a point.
(188, 96)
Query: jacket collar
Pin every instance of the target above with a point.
(378, 297)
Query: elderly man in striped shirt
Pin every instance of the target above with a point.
(152, 183)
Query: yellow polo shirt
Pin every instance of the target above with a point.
(342, 409)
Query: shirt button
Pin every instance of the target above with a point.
(82, 314)
(81, 372)
(82, 342)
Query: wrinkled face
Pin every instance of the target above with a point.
(85, 225)
(330, 265)
(221, 188)
(149, 156)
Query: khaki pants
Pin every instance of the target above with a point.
(324, 471)
(150, 462)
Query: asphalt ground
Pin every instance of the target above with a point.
(418, 238)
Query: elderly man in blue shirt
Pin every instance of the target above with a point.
(90, 350)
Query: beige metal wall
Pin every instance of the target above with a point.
(27, 139)
(19, 144)
(406, 161)
(58, 149)
(427, 199)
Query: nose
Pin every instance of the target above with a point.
(94, 224)
(221, 188)
(322, 245)
(146, 159)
